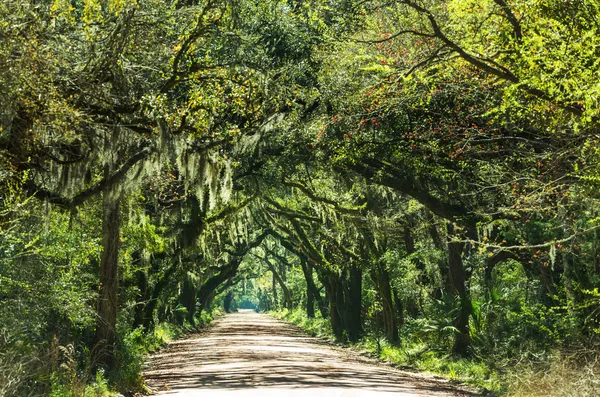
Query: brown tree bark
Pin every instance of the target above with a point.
(311, 287)
(382, 280)
(399, 309)
(334, 315)
(287, 296)
(354, 304)
(106, 336)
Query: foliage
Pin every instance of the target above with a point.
(420, 176)
(318, 327)
(413, 356)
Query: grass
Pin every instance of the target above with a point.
(559, 374)
(416, 356)
(563, 375)
(419, 356)
(316, 326)
(136, 345)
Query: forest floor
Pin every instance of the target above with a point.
(251, 354)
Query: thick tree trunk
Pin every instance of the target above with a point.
(354, 304)
(307, 269)
(334, 315)
(399, 309)
(462, 341)
(105, 337)
(227, 301)
(206, 292)
(389, 312)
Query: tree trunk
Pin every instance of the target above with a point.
(105, 337)
(287, 296)
(389, 315)
(548, 291)
(206, 292)
(188, 299)
(438, 293)
(307, 269)
(227, 301)
(399, 309)
(462, 341)
(334, 315)
(208, 301)
(354, 304)
(340, 301)
(158, 288)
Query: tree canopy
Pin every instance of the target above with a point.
(419, 173)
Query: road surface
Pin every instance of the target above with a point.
(255, 355)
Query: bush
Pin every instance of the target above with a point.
(317, 326)
(131, 351)
(17, 363)
(136, 344)
(414, 352)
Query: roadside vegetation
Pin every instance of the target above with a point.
(421, 174)
(553, 374)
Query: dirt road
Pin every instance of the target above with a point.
(250, 354)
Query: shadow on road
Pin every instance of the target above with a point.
(254, 351)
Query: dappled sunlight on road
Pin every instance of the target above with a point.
(250, 354)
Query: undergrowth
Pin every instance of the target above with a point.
(136, 345)
(414, 355)
(563, 374)
(316, 326)
(557, 374)
(68, 370)
(75, 375)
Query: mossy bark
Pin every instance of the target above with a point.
(106, 336)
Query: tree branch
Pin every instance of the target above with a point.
(512, 19)
(86, 194)
(313, 196)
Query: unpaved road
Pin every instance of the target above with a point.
(250, 354)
